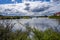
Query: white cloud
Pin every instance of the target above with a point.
(35, 8)
(12, 0)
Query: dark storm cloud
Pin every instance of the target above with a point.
(40, 9)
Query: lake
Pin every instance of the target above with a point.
(38, 23)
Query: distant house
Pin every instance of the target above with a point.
(57, 14)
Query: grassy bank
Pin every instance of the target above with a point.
(20, 17)
(28, 17)
(14, 17)
(54, 17)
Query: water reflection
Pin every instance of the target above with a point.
(57, 28)
(39, 23)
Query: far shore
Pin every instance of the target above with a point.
(28, 17)
(20, 17)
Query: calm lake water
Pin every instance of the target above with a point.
(39, 23)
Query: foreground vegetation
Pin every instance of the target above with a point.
(6, 33)
(54, 17)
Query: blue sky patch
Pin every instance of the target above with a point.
(9, 1)
(18, 1)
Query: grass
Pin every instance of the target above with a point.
(6, 33)
(54, 17)
(37, 35)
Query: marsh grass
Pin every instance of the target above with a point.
(6, 33)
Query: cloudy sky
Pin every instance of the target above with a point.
(18, 1)
(22, 8)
